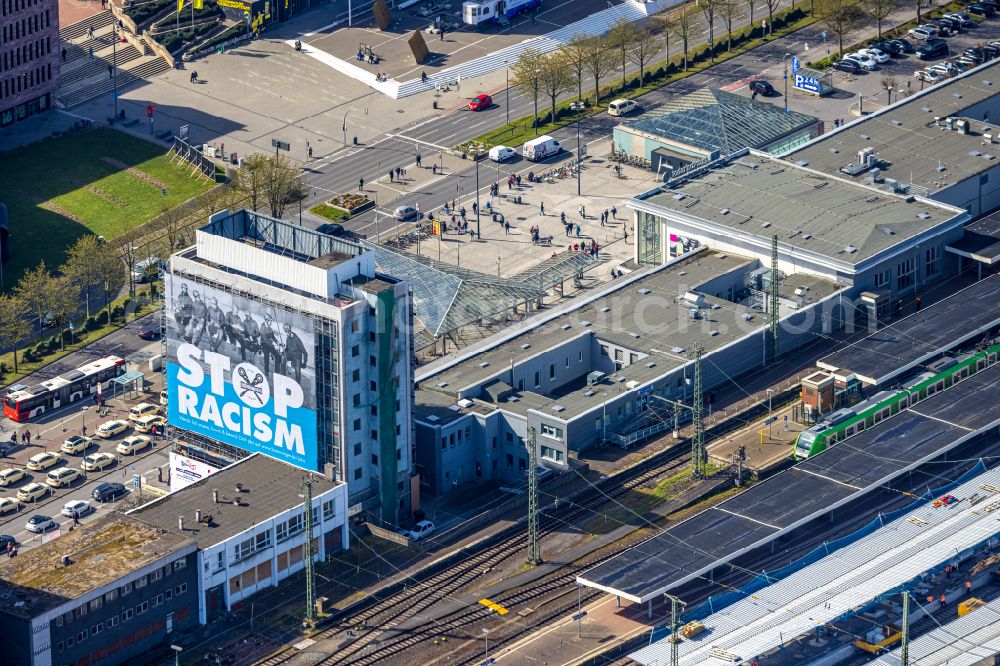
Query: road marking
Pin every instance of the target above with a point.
(934, 418)
(828, 478)
(420, 141)
(740, 515)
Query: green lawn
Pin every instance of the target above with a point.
(83, 179)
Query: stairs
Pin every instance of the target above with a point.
(151, 66)
(82, 78)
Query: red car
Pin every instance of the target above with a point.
(481, 102)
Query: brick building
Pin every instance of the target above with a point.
(29, 57)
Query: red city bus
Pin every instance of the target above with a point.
(62, 390)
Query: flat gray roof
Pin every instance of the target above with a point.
(758, 195)
(617, 318)
(981, 241)
(921, 336)
(268, 487)
(908, 141)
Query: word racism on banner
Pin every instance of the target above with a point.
(238, 372)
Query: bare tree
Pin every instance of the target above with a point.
(282, 181)
(878, 10)
(527, 71)
(600, 62)
(555, 78)
(771, 6)
(684, 28)
(751, 5)
(111, 273)
(841, 16)
(709, 9)
(251, 179)
(620, 36)
(641, 50)
(575, 55)
(917, 5)
(731, 11)
(80, 266)
(889, 84)
(664, 24)
(33, 290)
(14, 326)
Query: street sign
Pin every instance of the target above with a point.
(807, 83)
(583, 151)
(795, 64)
(136, 481)
(275, 143)
(184, 132)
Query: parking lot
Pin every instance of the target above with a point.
(48, 436)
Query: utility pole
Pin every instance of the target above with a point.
(904, 648)
(534, 550)
(698, 440)
(579, 160)
(674, 638)
(310, 621)
(774, 298)
(477, 201)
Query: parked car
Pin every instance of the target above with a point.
(330, 229)
(976, 54)
(62, 477)
(163, 398)
(865, 61)
(963, 19)
(762, 88)
(149, 423)
(10, 476)
(76, 444)
(904, 45)
(149, 332)
(6, 539)
(9, 505)
(887, 46)
(480, 102)
(41, 461)
(109, 492)
(848, 66)
(95, 462)
(406, 213)
(501, 153)
(948, 26)
(110, 429)
(879, 56)
(32, 492)
(132, 445)
(928, 75)
(39, 524)
(923, 32)
(80, 507)
(981, 9)
(990, 51)
(421, 530)
(141, 410)
(933, 49)
(944, 30)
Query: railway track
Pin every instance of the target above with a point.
(369, 632)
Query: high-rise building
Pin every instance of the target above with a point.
(286, 341)
(29, 57)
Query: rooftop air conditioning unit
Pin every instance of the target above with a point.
(594, 377)
(694, 298)
(465, 403)
(632, 384)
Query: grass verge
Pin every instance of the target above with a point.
(329, 212)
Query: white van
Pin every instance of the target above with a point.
(142, 269)
(540, 148)
(622, 107)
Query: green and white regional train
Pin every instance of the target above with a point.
(848, 422)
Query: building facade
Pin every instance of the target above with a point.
(258, 527)
(300, 324)
(124, 590)
(29, 57)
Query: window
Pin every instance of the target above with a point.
(329, 508)
(538, 381)
(522, 464)
(126, 588)
(451, 440)
(357, 448)
(597, 422)
(169, 594)
(96, 629)
(357, 474)
(905, 274)
(354, 326)
(509, 436)
(552, 431)
(357, 399)
(374, 459)
(59, 646)
(357, 424)
(155, 576)
(444, 443)
(82, 636)
(291, 527)
(355, 375)
(181, 589)
(580, 358)
(355, 351)
(142, 608)
(95, 603)
(371, 360)
(510, 460)
(113, 622)
(567, 361)
(932, 260)
(127, 615)
(552, 454)
(158, 600)
(552, 371)
(70, 642)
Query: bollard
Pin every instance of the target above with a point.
(355, 141)
(434, 104)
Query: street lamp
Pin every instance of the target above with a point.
(579, 159)
(785, 61)
(506, 93)
(114, 59)
(343, 127)
(769, 419)
(177, 654)
(486, 637)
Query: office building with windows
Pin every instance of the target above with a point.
(109, 592)
(287, 342)
(249, 523)
(29, 57)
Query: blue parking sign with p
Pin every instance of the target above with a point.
(795, 63)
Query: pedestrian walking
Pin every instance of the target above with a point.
(917, 303)
(27, 436)
(517, 180)
(583, 212)
(399, 174)
(578, 231)
(506, 227)
(64, 54)
(90, 32)
(614, 213)
(111, 71)
(475, 208)
(968, 588)
(310, 152)
(418, 160)
(76, 518)
(392, 175)
(602, 219)
(626, 235)
(84, 430)
(90, 52)
(541, 208)
(361, 184)
(434, 168)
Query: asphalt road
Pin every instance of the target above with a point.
(49, 433)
